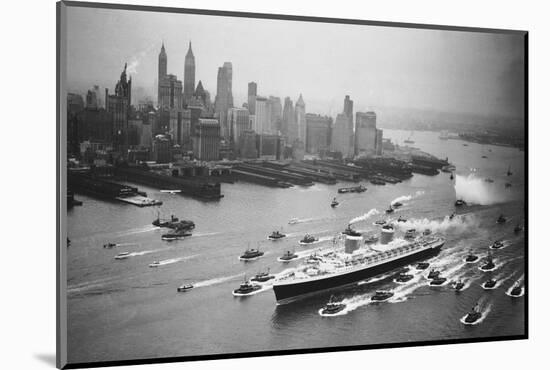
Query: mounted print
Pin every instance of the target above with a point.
(236, 184)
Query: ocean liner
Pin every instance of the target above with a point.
(353, 262)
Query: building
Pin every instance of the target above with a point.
(252, 93)
(206, 142)
(75, 103)
(318, 133)
(162, 71)
(189, 76)
(300, 120)
(162, 149)
(270, 147)
(239, 121)
(275, 111)
(365, 133)
(379, 144)
(288, 119)
(262, 124)
(247, 145)
(118, 106)
(342, 139)
(92, 101)
(170, 89)
(224, 96)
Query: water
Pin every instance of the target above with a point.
(124, 309)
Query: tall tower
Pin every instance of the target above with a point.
(301, 118)
(252, 92)
(224, 95)
(163, 68)
(189, 76)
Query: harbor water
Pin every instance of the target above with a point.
(124, 309)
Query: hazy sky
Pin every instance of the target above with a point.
(454, 71)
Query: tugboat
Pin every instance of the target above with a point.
(489, 265)
(458, 286)
(438, 281)
(293, 221)
(308, 239)
(471, 257)
(516, 290)
(380, 222)
(262, 277)
(501, 219)
(288, 256)
(473, 316)
(403, 278)
(109, 245)
(334, 203)
(489, 180)
(401, 219)
(422, 265)
(497, 244)
(489, 284)
(518, 229)
(164, 223)
(251, 254)
(507, 185)
(155, 264)
(332, 307)
(433, 274)
(177, 234)
(371, 239)
(382, 295)
(410, 234)
(276, 235)
(246, 288)
(460, 202)
(185, 287)
(390, 210)
(397, 204)
(483, 156)
(122, 256)
(349, 231)
(426, 232)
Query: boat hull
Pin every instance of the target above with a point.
(286, 293)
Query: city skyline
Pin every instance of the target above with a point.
(409, 68)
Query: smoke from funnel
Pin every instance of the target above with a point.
(475, 190)
(370, 213)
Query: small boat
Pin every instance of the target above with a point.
(178, 234)
(452, 176)
(354, 189)
(401, 219)
(451, 216)
(164, 223)
(185, 287)
(351, 232)
(489, 180)
(332, 307)
(458, 286)
(109, 245)
(377, 182)
(408, 140)
(293, 221)
(509, 172)
(516, 289)
(308, 239)
(438, 281)
(497, 245)
(262, 277)
(489, 264)
(334, 203)
(403, 278)
(155, 264)
(68, 242)
(473, 316)
(288, 256)
(410, 234)
(251, 254)
(382, 295)
(371, 239)
(471, 257)
(489, 284)
(507, 185)
(433, 274)
(460, 202)
(390, 210)
(422, 265)
(380, 222)
(122, 256)
(501, 219)
(464, 144)
(246, 288)
(426, 232)
(397, 204)
(276, 235)
(483, 156)
(518, 229)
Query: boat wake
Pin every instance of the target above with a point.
(375, 279)
(484, 314)
(216, 281)
(171, 261)
(139, 230)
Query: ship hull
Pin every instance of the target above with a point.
(286, 293)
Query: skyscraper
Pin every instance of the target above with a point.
(239, 121)
(189, 75)
(318, 133)
(301, 119)
(342, 132)
(162, 70)
(252, 93)
(288, 119)
(262, 124)
(275, 111)
(118, 105)
(206, 142)
(365, 133)
(224, 96)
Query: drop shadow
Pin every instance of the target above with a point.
(47, 358)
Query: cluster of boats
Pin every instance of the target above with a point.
(180, 228)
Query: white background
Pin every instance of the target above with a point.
(27, 126)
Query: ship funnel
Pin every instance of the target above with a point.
(386, 235)
(352, 243)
